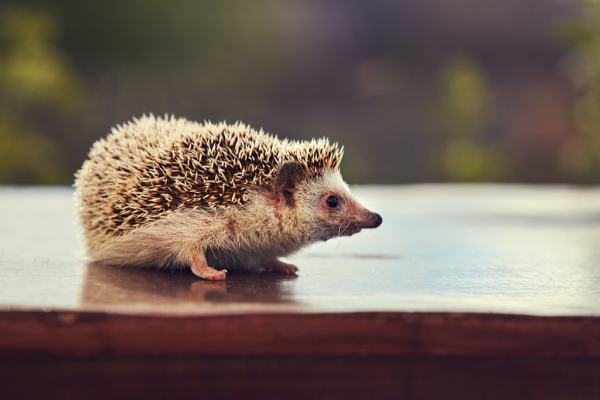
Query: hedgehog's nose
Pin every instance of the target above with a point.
(378, 220)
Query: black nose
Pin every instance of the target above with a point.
(378, 220)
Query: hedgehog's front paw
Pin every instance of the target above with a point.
(281, 267)
(201, 269)
(212, 274)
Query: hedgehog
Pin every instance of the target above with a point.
(212, 197)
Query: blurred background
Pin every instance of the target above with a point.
(416, 90)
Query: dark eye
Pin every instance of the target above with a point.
(332, 201)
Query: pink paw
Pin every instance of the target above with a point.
(216, 275)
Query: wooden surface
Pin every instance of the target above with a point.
(505, 249)
(464, 291)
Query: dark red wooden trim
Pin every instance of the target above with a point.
(63, 333)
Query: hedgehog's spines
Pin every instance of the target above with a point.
(150, 166)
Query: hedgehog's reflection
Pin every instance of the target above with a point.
(129, 286)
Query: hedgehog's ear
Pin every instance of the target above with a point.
(288, 177)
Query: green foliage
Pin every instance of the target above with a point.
(582, 159)
(294, 70)
(27, 157)
(466, 156)
(471, 161)
(34, 75)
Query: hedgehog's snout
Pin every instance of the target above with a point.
(373, 220)
(378, 220)
(351, 224)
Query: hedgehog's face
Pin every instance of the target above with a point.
(324, 207)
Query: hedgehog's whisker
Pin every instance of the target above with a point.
(344, 230)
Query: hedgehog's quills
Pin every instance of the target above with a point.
(174, 193)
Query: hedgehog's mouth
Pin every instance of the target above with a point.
(342, 230)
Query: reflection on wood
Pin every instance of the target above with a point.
(108, 285)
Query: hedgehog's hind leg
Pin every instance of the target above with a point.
(200, 268)
(281, 267)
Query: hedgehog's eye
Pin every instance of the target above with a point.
(332, 201)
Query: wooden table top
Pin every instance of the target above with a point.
(441, 248)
